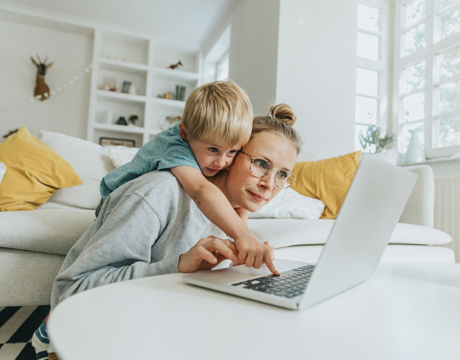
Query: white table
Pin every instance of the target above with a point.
(406, 311)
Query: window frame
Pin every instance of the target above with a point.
(427, 54)
(380, 66)
(224, 57)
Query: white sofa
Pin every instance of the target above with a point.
(33, 244)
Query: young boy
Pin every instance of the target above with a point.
(217, 122)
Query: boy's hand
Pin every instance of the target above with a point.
(272, 254)
(253, 253)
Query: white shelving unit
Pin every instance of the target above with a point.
(143, 61)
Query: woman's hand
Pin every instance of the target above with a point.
(206, 254)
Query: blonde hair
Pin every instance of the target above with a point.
(279, 120)
(220, 111)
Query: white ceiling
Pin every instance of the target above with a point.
(183, 20)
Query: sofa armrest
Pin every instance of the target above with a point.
(419, 209)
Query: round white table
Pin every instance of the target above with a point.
(406, 311)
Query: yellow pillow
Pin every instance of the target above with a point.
(33, 172)
(327, 180)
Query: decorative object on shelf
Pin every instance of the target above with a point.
(375, 141)
(59, 88)
(11, 132)
(180, 92)
(167, 96)
(414, 153)
(132, 89)
(132, 120)
(170, 121)
(125, 88)
(107, 116)
(41, 91)
(106, 141)
(174, 66)
(121, 121)
(110, 84)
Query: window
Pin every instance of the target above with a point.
(223, 67)
(427, 66)
(217, 59)
(371, 72)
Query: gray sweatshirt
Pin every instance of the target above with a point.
(142, 229)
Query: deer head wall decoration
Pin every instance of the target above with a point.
(42, 91)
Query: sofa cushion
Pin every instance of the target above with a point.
(90, 161)
(52, 231)
(33, 172)
(392, 253)
(327, 180)
(289, 232)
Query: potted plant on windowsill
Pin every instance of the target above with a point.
(379, 143)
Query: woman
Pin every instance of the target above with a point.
(151, 226)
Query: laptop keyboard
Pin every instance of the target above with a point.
(289, 284)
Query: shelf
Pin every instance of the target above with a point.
(170, 103)
(120, 128)
(121, 96)
(125, 66)
(144, 61)
(170, 74)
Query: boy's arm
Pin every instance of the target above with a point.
(215, 206)
(243, 214)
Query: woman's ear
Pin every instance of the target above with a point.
(183, 132)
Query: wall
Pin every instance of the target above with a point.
(303, 53)
(67, 111)
(253, 49)
(316, 72)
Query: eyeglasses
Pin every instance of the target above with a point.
(260, 167)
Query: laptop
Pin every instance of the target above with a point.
(369, 214)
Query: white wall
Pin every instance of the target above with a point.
(303, 53)
(316, 72)
(67, 111)
(253, 49)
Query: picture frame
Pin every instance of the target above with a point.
(107, 141)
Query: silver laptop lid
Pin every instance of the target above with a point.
(362, 230)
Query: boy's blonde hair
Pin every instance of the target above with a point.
(220, 111)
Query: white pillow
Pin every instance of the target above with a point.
(90, 161)
(289, 204)
(121, 155)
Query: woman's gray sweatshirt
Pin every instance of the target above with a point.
(142, 229)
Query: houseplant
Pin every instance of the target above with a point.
(374, 139)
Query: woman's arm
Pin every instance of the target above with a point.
(116, 247)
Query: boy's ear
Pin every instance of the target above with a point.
(183, 132)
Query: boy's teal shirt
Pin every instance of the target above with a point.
(165, 151)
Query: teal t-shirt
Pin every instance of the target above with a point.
(164, 151)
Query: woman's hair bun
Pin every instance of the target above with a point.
(284, 113)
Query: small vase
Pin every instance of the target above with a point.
(414, 153)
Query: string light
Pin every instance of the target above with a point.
(59, 88)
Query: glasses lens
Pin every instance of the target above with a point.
(260, 167)
(283, 179)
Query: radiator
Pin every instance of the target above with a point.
(447, 209)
